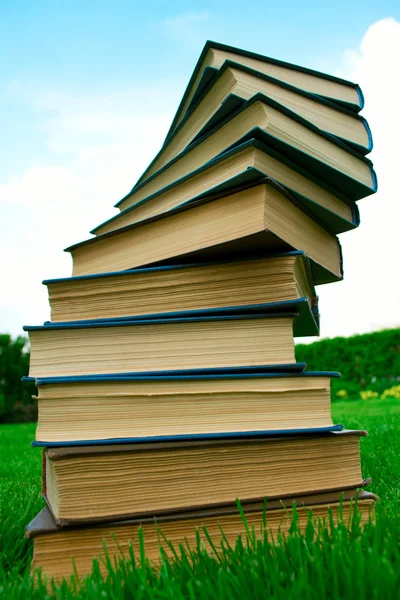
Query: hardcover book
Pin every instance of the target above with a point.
(78, 410)
(187, 290)
(156, 478)
(202, 342)
(251, 222)
(321, 154)
(358, 134)
(61, 552)
(245, 165)
(214, 55)
(232, 85)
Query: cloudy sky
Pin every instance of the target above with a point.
(87, 96)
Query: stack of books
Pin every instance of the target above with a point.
(168, 383)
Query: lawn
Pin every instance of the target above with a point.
(330, 564)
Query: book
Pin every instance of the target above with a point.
(250, 222)
(334, 162)
(62, 552)
(178, 374)
(358, 136)
(201, 342)
(111, 482)
(190, 289)
(247, 164)
(232, 85)
(214, 55)
(117, 409)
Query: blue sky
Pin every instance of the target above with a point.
(97, 46)
(88, 91)
(73, 41)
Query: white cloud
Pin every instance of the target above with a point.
(98, 147)
(369, 297)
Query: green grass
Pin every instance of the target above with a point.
(329, 562)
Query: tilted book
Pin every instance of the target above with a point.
(254, 221)
(187, 290)
(319, 153)
(232, 85)
(247, 164)
(356, 133)
(214, 55)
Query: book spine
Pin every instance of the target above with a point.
(360, 96)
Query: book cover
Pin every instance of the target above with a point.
(211, 76)
(225, 237)
(44, 521)
(306, 324)
(169, 344)
(246, 178)
(338, 179)
(233, 102)
(338, 449)
(356, 104)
